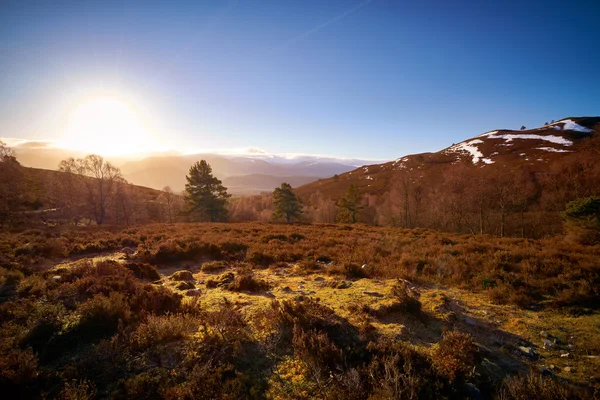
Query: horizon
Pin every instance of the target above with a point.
(368, 80)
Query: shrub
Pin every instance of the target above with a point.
(83, 390)
(162, 329)
(100, 315)
(260, 259)
(537, 387)
(33, 285)
(143, 271)
(582, 218)
(234, 250)
(246, 281)
(407, 300)
(354, 271)
(212, 266)
(17, 367)
(222, 280)
(10, 277)
(455, 355)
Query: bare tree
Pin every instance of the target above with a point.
(167, 198)
(11, 183)
(99, 180)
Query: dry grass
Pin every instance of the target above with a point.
(427, 313)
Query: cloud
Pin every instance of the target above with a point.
(26, 144)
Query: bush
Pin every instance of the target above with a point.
(100, 315)
(582, 218)
(537, 387)
(83, 390)
(455, 355)
(407, 300)
(213, 266)
(162, 329)
(354, 271)
(261, 259)
(10, 277)
(246, 281)
(143, 271)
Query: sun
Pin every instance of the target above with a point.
(107, 125)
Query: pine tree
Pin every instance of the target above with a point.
(349, 206)
(287, 204)
(205, 195)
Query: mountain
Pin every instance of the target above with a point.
(262, 171)
(256, 183)
(535, 149)
(157, 172)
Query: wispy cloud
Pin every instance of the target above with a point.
(27, 144)
(325, 24)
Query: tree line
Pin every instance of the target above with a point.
(461, 198)
(511, 200)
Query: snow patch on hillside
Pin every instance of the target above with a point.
(470, 148)
(553, 150)
(488, 133)
(509, 137)
(570, 125)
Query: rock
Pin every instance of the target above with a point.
(374, 294)
(568, 369)
(185, 286)
(184, 275)
(193, 292)
(344, 285)
(286, 289)
(128, 251)
(571, 346)
(528, 351)
(364, 266)
(565, 355)
(319, 279)
(544, 334)
(300, 286)
(470, 321)
(548, 344)
(56, 278)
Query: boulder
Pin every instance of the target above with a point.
(548, 344)
(193, 292)
(528, 351)
(184, 275)
(185, 285)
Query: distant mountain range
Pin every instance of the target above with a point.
(242, 174)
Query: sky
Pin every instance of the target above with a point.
(375, 79)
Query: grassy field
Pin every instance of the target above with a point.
(296, 311)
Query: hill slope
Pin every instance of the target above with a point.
(537, 149)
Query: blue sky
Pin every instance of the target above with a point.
(373, 79)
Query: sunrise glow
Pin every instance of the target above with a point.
(107, 125)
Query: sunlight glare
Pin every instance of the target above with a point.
(107, 125)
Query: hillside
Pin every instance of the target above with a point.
(536, 149)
